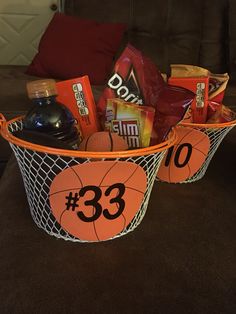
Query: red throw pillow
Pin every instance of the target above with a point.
(72, 47)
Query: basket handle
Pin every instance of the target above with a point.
(2, 121)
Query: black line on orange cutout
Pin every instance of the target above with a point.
(61, 216)
(123, 218)
(124, 222)
(127, 187)
(111, 141)
(200, 151)
(189, 132)
(131, 174)
(86, 143)
(202, 139)
(66, 190)
(189, 172)
(78, 177)
(101, 186)
(115, 163)
(195, 143)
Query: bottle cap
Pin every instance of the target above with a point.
(41, 88)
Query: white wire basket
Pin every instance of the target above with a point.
(85, 196)
(188, 160)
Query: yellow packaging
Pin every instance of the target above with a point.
(132, 122)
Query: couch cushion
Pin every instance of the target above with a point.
(190, 32)
(72, 47)
(14, 99)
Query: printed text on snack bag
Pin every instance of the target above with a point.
(116, 83)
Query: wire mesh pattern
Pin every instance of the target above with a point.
(216, 136)
(38, 170)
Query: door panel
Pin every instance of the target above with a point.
(22, 23)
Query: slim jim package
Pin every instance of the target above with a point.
(200, 87)
(134, 123)
(136, 79)
(77, 95)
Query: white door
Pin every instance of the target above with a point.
(22, 23)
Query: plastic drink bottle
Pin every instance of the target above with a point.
(47, 115)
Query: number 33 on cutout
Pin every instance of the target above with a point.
(97, 200)
(186, 157)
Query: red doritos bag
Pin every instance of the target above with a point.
(136, 79)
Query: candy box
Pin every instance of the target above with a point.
(77, 95)
(217, 82)
(200, 87)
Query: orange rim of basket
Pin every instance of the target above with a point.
(209, 125)
(172, 138)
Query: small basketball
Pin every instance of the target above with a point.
(103, 141)
(186, 157)
(97, 201)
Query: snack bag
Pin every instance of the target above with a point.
(219, 113)
(132, 122)
(136, 79)
(173, 103)
(217, 82)
(77, 95)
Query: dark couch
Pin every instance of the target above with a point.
(181, 259)
(191, 32)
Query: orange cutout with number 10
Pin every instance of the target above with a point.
(186, 157)
(96, 201)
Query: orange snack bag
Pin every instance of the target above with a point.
(77, 95)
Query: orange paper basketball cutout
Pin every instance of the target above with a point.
(96, 201)
(184, 159)
(103, 141)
